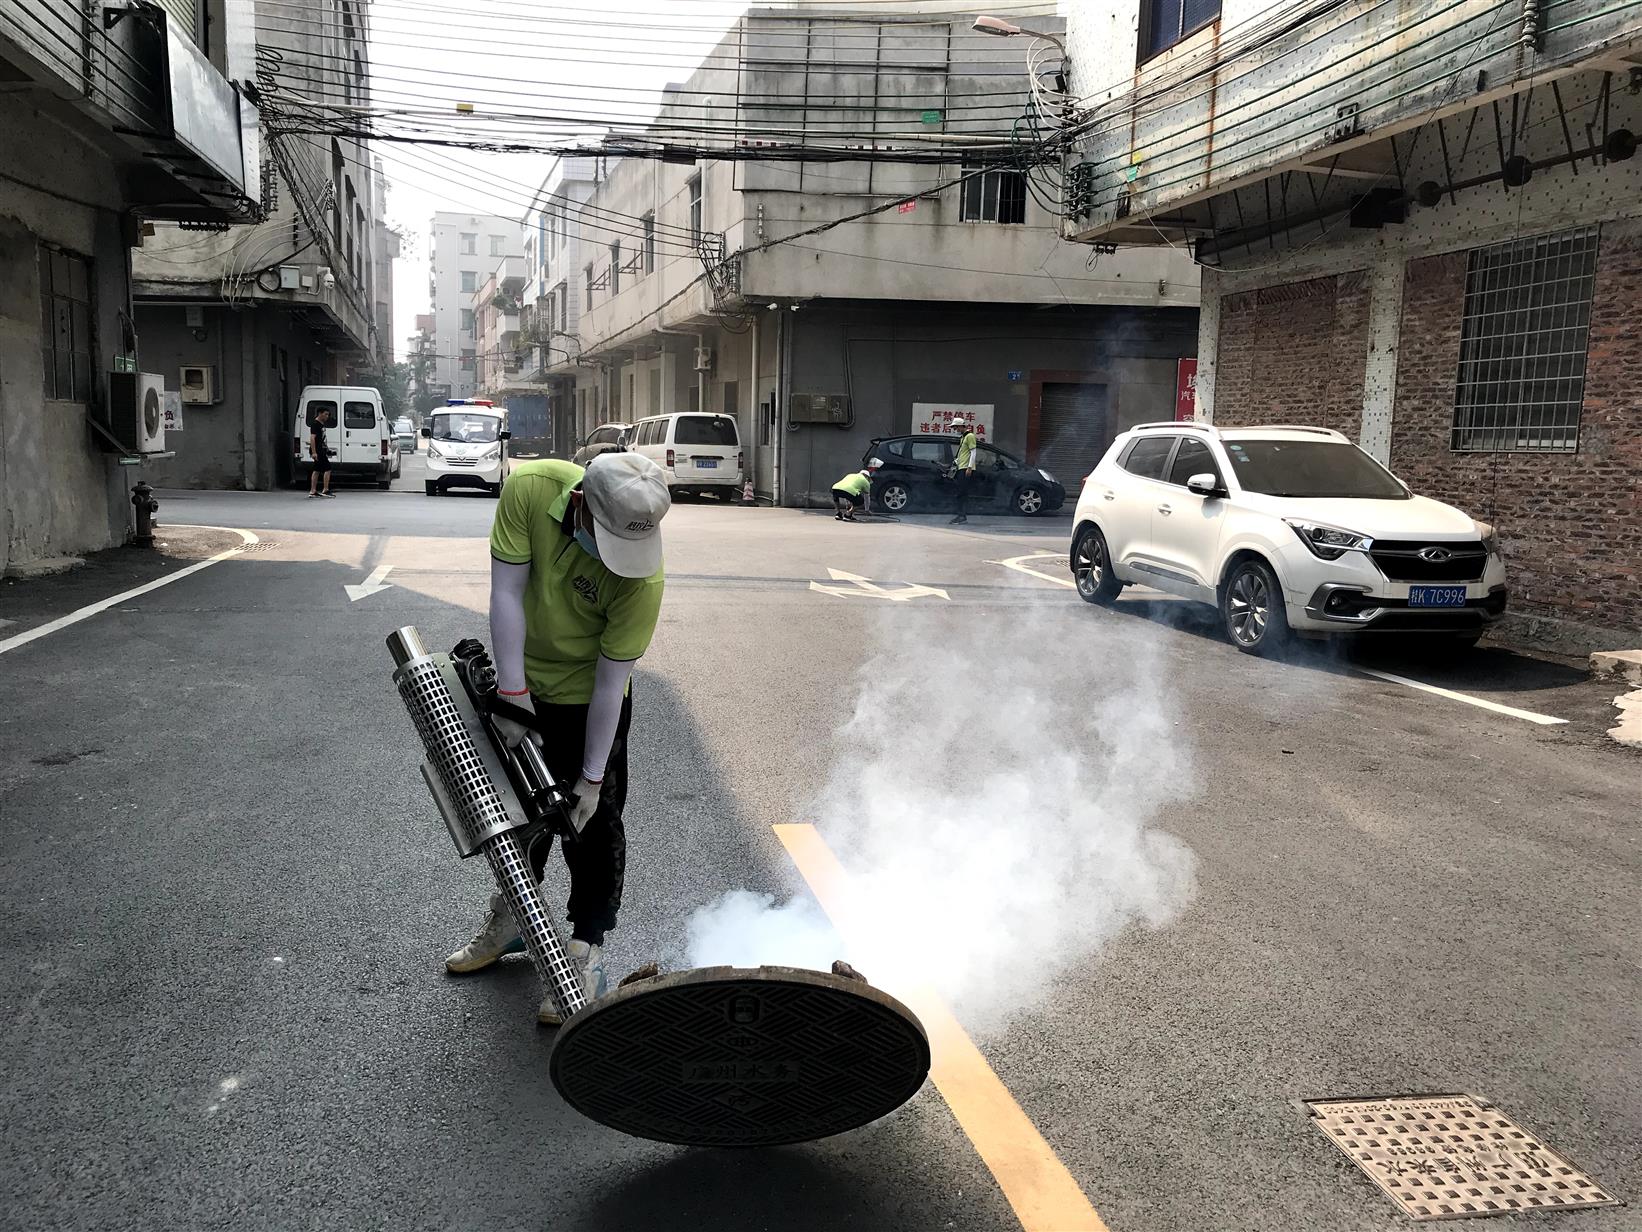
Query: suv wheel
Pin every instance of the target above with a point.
(1096, 582)
(1251, 605)
(1029, 501)
(894, 496)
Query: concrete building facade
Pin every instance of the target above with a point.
(1420, 226)
(463, 250)
(888, 288)
(295, 299)
(105, 125)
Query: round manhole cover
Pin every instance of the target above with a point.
(727, 1056)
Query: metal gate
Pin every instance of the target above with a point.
(1073, 430)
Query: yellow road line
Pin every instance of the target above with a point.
(1037, 1185)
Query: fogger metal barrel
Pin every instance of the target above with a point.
(471, 788)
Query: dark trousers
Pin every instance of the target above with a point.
(964, 479)
(597, 858)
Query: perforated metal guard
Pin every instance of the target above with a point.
(441, 722)
(1453, 1157)
(727, 1056)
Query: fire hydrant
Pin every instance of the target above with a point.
(142, 499)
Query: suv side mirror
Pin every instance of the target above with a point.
(1205, 485)
(427, 432)
(504, 436)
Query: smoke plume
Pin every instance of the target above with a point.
(995, 823)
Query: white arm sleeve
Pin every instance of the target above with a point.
(603, 715)
(507, 623)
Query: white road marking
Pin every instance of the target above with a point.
(865, 588)
(1017, 563)
(372, 585)
(102, 605)
(1544, 720)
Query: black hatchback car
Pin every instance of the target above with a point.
(909, 476)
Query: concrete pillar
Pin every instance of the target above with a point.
(1385, 315)
(1208, 344)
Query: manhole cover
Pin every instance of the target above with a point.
(726, 1056)
(1452, 1156)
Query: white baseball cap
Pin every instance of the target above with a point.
(627, 495)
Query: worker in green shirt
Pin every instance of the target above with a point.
(963, 470)
(850, 494)
(575, 592)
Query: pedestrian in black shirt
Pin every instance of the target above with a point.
(321, 453)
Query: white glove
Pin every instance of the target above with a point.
(512, 731)
(584, 803)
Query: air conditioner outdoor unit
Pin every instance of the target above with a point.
(198, 383)
(704, 359)
(136, 410)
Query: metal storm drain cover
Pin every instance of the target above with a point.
(1452, 1156)
(729, 1056)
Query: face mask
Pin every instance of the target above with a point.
(585, 539)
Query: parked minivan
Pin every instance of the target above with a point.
(700, 452)
(360, 439)
(467, 446)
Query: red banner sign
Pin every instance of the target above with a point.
(1185, 391)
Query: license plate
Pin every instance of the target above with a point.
(706, 464)
(1436, 596)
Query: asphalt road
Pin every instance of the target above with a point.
(228, 897)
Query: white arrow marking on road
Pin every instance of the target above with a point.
(866, 588)
(371, 584)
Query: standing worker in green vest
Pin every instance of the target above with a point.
(575, 593)
(850, 494)
(963, 471)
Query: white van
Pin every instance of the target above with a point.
(360, 440)
(467, 446)
(700, 452)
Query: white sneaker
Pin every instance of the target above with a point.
(588, 960)
(497, 936)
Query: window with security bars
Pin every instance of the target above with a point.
(65, 301)
(1522, 347)
(1163, 23)
(998, 195)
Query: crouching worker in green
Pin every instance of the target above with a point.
(575, 592)
(850, 494)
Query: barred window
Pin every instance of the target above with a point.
(65, 301)
(1522, 349)
(998, 195)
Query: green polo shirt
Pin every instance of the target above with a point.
(855, 484)
(575, 608)
(966, 450)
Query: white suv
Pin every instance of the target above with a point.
(1282, 528)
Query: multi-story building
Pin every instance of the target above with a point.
(110, 119)
(496, 329)
(824, 303)
(422, 355)
(387, 246)
(551, 312)
(254, 313)
(1419, 224)
(463, 250)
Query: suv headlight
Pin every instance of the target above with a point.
(1329, 542)
(432, 452)
(1047, 477)
(491, 454)
(1490, 538)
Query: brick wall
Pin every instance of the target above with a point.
(1294, 354)
(1571, 524)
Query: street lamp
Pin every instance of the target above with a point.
(1007, 29)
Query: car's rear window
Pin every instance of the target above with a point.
(1311, 468)
(317, 406)
(705, 430)
(358, 415)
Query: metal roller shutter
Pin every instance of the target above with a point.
(1073, 431)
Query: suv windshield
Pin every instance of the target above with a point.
(1311, 468)
(471, 429)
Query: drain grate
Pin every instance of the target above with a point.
(1453, 1156)
(729, 1056)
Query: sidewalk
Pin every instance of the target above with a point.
(28, 603)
